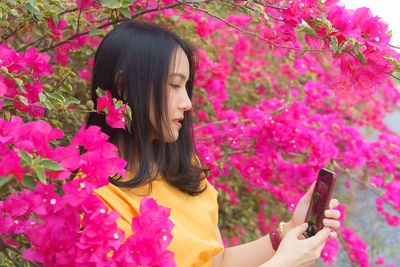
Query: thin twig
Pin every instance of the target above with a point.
(37, 106)
(250, 8)
(344, 245)
(8, 35)
(109, 24)
(268, 5)
(79, 17)
(234, 152)
(29, 44)
(4, 245)
(395, 77)
(219, 122)
(375, 192)
(67, 11)
(62, 81)
(394, 46)
(250, 33)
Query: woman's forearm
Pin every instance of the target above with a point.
(253, 253)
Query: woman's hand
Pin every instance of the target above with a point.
(295, 251)
(300, 213)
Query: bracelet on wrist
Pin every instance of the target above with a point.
(282, 229)
(275, 238)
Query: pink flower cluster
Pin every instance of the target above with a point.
(115, 117)
(89, 231)
(27, 65)
(90, 236)
(34, 137)
(356, 247)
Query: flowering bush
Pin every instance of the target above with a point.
(282, 89)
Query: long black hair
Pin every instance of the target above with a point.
(133, 63)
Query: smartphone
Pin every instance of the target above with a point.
(320, 201)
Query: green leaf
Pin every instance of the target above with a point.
(56, 96)
(310, 31)
(20, 85)
(342, 46)
(111, 4)
(181, 8)
(340, 49)
(360, 56)
(5, 180)
(128, 112)
(100, 92)
(42, 97)
(138, 8)
(334, 43)
(14, 12)
(303, 52)
(59, 4)
(22, 99)
(126, 12)
(40, 173)
(56, 19)
(356, 48)
(51, 165)
(93, 32)
(74, 24)
(48, 105)
(25, 156)
(126, 3)
(67, 87)
(72, 100)
(29, 182)
(393, 61)
(119, 104)
(256, 14)
(90, 105)
(36, 162)
(31, 6)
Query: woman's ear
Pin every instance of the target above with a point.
(122, 94)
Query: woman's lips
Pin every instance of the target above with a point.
(177, 124)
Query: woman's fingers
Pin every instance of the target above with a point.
(334, 224)
(332, 214)
(333, 203)
(321, 236)
(333, 234)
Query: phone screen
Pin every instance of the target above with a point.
(319, 201)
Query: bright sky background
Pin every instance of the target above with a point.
(388, 10)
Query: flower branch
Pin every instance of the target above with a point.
(109, 24)
(252, 34)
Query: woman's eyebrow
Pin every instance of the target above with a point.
(181, 75)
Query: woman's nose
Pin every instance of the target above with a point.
(186, 103)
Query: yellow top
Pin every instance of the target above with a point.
(194, 241)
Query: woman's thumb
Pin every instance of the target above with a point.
(299, 229)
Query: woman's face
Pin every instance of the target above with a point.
(178, 100)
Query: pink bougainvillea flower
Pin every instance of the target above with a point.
(85, 74)
(9, 163)
(104, 102)
(115, 118)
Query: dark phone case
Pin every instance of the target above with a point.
(311, 230)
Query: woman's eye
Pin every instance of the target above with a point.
(175, 86)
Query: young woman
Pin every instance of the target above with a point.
(152, 70)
